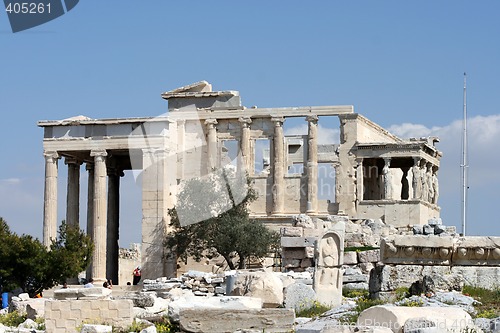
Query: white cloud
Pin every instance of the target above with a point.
(11, 180)
(325, 135)
(484, 177)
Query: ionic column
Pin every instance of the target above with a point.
(113, 224)
(312, 164)
(99, 231)
(73, 192)
(90, 208)
(278, 166)
(50, 198)
(336, 167)
(244, 160)
(211, 144)
(359, 182)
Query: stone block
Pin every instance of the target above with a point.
(221, 321)
(303, 220)
(435, 221)
(420, 325)
(306, 263)
(312, 232)
(369, 256)
(88, 328)
(299, 296)
(297, 241)
(36, 309)
(309, 251)
(229, 303)
(350, 258)
(356, 286)
(439, 229)
(355, 278)
(262, 284)
(447, 319)
(290, 263)
(428, 229)
(366, 267)
(293, 253)
(292, 231)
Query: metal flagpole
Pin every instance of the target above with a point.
(464, 164)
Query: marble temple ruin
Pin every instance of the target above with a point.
(376, 174)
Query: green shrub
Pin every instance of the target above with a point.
(355, 293)
(401, 292)
(314, 311)
(489, 301)
(12, 319)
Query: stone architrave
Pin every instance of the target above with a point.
(386, 173)
(417, 178)
(50, 198)
(329, 259)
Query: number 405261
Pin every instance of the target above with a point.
(27, 8)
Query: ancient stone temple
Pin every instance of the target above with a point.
(376, 174)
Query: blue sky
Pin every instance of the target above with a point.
(399, 63)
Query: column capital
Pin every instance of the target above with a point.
(416, 159)
(278, 121)
(181, 121)
(387, 160)
(99, 153)
(211, 123)
(245, 121)
(312, 118)
(51, 155)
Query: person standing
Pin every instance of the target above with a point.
(137, 275)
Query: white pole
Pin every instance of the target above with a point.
(464, 164)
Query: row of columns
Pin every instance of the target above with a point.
(102, 208)
(278, 158)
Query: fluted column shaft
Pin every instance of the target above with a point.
(99, 231)
(211, 144)
(113, 224)
(359, 182)
(278, 166)
(90, 208)
(73, 192)
(50, 198)
(312, 164)
(244, 160)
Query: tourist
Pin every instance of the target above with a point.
(89, 284)
(137, 275)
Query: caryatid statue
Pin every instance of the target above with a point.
(417, 178)
(425, 184)
(387, 179)
(430, 183)
(435, 185)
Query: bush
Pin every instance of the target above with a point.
(355, 293)
(12, 319)
(489, 306)
(315, 310)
